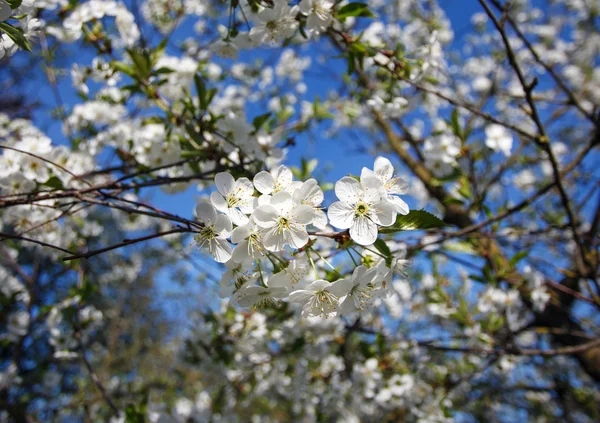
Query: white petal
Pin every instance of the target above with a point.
(363, 231)
(218, 202)
(274, 240)
(206, 212)
(305, 7)
(303, 215)
(263, 200)
(341, 215)
(367, 173)
(237, 216)
(301, 296)
(385, 213)
(347, 190)
(224, 182)
(383, 169)
(297, 238)
(223, 225)
(242, 253)
(240, 233)
(319, 219)
(373, 189)
(263, 181)
(318, 285)
(282, 201)
(401, 206)
(244, 188)
(265, 216)
(340, 287)
(220, 250)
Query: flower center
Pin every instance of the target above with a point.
(232, 200)
(361, 296)
(283, 223)
(361, 209)
(324, 301)
(206, 235)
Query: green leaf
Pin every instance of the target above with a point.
(465, 187)
(141, 62)
(132, 415)
(54, 182)
(14, 3)
(201, 91)
(518, 257)
(15, 34)
(157, 53)
(382, 247)
(354, 9)
(414, 220)
(123, 67)
(259, 121)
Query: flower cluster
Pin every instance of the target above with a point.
(270, 216)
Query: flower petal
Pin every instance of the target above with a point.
(401, 206)
(265, 216)
(384, 213)
(282, 201)
(240, 233)
(206, 212)
(263, 181)
(220, 250)
(341, 215)
(297, 237)
(347, 190)
(303, 215)
(363, 231)
(223, 225)
(224, 182)
(237, 216)
(218, 202)
(383, 169)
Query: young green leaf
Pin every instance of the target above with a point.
(414, 220)
(354, 9)
(382, 247)
(15, 34)
(259, 121)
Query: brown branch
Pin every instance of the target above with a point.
(34, 241)
(124, 243)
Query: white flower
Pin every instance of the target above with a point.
(384, 171)
(249, 243)
(310, 194)
(443, 148)
(261, 296)
(280, 179)
(5, 10)
(292, 275)
(225, 49)
(216, 229)
(272, 25)
(283, 223)
(320, 298)
(498, 139)
(318, 13)
(358, 289)
(16, 183)
(361, 208)
(234, 197)
(238, 273)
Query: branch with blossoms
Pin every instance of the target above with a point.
(267, 220)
